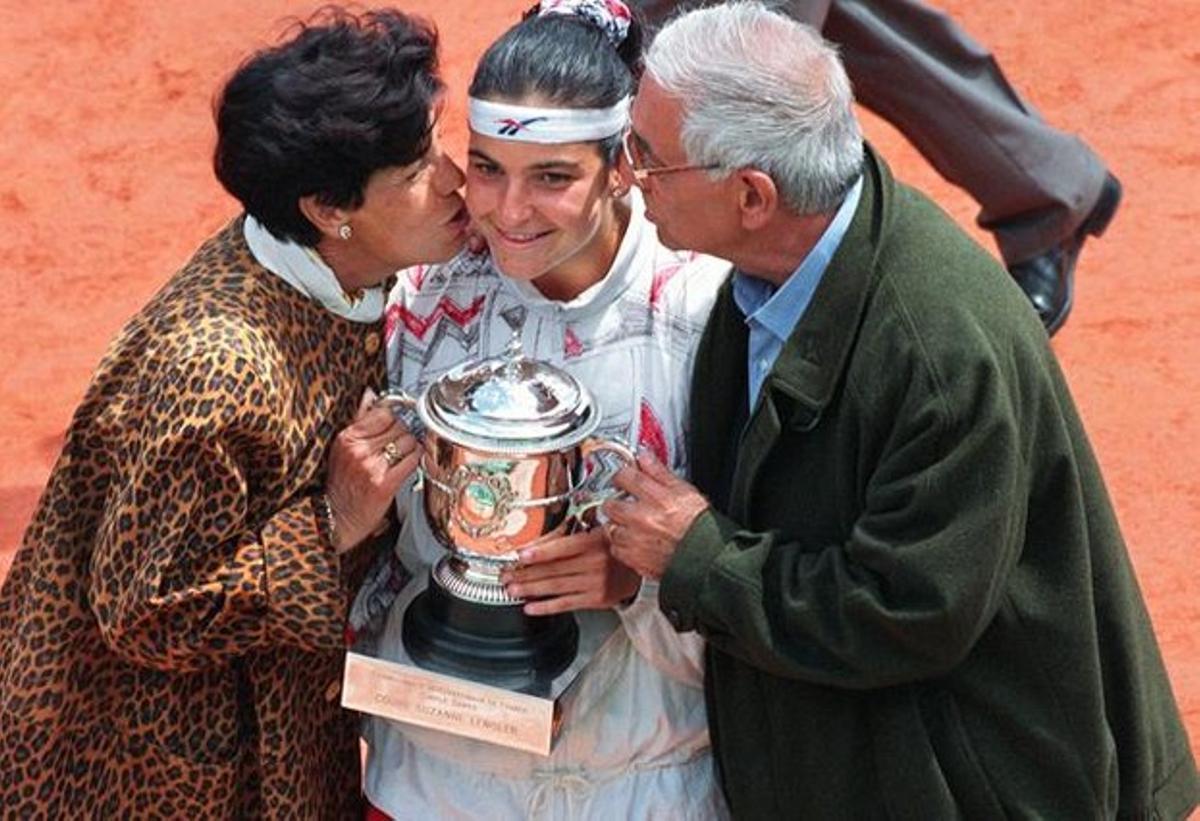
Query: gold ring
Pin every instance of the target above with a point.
(391, 453)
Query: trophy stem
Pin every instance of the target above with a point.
(474, 581)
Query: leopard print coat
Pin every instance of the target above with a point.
(171, 632)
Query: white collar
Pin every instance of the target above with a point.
(619, 276)
(304, 270)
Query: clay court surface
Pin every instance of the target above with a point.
(105, 189)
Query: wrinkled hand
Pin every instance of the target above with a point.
(644, 530)
(574, 572)
(369, 460)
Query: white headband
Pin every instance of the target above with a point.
(547, 125)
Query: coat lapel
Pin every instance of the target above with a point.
(803, 380)
(757, 440)
(718, 405)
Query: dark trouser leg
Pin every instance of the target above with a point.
(917, 69)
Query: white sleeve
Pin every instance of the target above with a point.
(678, 656)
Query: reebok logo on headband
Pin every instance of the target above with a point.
(508, 127)
(546, 125)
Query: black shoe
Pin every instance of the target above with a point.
(1049, 278)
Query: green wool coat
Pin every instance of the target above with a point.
(916, 596)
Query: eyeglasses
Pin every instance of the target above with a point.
(640, 172)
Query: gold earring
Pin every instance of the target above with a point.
(345, 231)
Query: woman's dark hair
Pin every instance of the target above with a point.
(345, 96)
(566, 61)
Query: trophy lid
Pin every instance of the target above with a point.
(510, 402)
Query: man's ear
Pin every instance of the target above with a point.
(758, 198)
(328, 219)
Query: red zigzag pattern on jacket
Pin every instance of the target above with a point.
(446, 308)
(651, 436)
(416, 277)
(572, 347)
(664, 275)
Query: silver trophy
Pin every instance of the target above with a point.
(508, 456)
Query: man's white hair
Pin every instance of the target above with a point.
(760, 90)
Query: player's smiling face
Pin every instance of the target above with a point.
(546, 210)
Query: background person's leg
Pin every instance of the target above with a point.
(917, 69)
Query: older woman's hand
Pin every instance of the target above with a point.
(574, 572)
(369, 461)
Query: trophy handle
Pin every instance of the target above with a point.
(403, 406)
(599, 461)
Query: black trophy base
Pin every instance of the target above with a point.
(492, 644)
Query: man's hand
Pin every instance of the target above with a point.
(575, 572)
(645, 529)
(369, 461)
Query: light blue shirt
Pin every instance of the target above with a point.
(772, 314)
